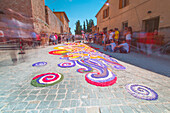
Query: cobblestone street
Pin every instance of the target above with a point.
(73, 94)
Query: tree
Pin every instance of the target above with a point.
(78, 28)
(89, 23)
(84, 27)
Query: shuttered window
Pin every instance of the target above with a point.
(105, 13)
(123, 3)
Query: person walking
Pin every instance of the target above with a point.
(43, 39)
(90, 37)
(56, 38)
(111, 34)
(104, 38)
(129, 37)
(33, 35)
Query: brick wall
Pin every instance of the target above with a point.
(53, 21)
(38, 12)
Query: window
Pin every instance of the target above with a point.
(123, 3)
(151, 24)
(124, 24)
(105, 29)
(105, 13)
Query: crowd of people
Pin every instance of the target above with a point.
(112, 40)
(117, 41)
(43, 39)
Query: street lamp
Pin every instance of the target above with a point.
(107, 4)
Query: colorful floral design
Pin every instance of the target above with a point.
(141, 92)
(46, 79)
(39, 64)
(97, 66)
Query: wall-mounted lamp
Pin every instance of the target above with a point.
(107, 4)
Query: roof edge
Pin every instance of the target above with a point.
(101, 8)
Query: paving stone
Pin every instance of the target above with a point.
(65, 104)
(62, 86)
(53, 91)
(60, 96)
(163, 108)
(8, 112)
(57, 111)
(105, 101)
(21, 106)
(43, 91)
(26, 92)
(41, 97)
(31, 106)
(115, 101)
(50, 97)
(167, 106)
(104, 110)
(6, 106)
(54, 104)
(75, 103)
(115, 109)
(85, 102)
(34, 92)
(69, 111)
(31, 98)
(2, 99)
(140, 108)
(62, 91)
(93, 110)
(45, 111)
(95, 102)
(126, 109)
(19, 111)
(74, 96)
(20, 98)
(119, 94)
(15, 93)
(43, 105)
(32, 111)
(154, 108)
(81, 110)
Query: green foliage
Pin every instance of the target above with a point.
(78, 28)
(86, 26)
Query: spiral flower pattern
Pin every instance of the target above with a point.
(67, 64)
(107, 80)
(39, 64)
(141, 92)
(47, 79)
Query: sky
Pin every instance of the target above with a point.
(77, 9)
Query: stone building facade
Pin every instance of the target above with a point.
(53, 21)
(32, 13)
(141, 15)
(38, 14)
(64, 19)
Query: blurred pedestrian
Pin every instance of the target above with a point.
(38, 39)
(1, 36)
(90, 37)
(56, 38)
(111, 34)
(34, 37)
(104, 38)
(43, 38)
(129, 37)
